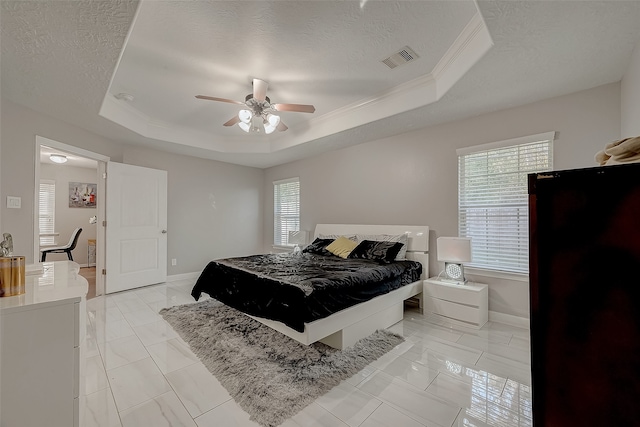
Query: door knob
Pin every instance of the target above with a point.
(164, 231)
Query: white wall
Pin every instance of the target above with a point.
(412, 178)
(630, 97)
(66, 218)
(19, 127)
(215, 209)
(407, 179)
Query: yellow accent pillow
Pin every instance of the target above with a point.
(342, 247)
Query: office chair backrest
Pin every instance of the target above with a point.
(74, 238)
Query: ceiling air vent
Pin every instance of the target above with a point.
(404, 55)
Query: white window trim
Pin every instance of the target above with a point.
(285, 181)
(530, 139)
(47, 240)
(546, 136)
(287, 248)
(276, 183)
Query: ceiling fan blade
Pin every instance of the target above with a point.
(232, 121)
(281, 127)
(260, 89)
(213, 98)
(300, 108)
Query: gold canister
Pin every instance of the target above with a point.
(5, 277)
(17, 275)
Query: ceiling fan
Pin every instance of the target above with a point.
(259, 114)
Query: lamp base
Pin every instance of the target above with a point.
(454, 273)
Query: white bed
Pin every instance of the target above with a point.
(344, 328)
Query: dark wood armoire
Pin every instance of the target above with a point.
(585, 296)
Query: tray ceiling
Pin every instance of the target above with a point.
(70, 59)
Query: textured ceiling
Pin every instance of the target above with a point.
(325, 53)
(59, 58)
(321, 52)
(72, 159)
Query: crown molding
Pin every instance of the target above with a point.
(473, 42)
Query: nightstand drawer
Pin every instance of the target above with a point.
(466, 304)
(461, 312)
(469, 294)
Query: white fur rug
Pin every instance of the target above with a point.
(269, 375)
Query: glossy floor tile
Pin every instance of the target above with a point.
(139, 372)
(165, 410)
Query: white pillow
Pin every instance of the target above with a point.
(335, 236)
(402, 238)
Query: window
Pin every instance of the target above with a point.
(47, 211)
(286, 209)
(493, 202)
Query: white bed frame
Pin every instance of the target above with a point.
(344, 328)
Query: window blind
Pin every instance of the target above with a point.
(286, 205)
(493, 204)
(47, 210)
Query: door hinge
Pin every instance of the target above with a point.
(104, 271)
(104, 223)
(104, 175)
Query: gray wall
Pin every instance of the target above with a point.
(67, 219)
(412, 178)
(19, 127)
(214, 208)
(217, 209)
(630, 92)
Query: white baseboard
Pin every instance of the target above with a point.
(509, 319)
(183, 276)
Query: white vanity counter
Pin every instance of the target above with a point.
(58, 281)
(42, 349)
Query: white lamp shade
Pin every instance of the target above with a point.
(245, 116)
(244, 126)
(271, 123)
(298, 237)
(454, 249)
(273, 120)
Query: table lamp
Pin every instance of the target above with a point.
(297, 238)
(454, 251)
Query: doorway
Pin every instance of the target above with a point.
(79, 202)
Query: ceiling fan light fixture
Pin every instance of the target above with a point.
(58, 158)
(257, 117)
(245, 116)
(257, 124)
(271, 122)
(268, 128)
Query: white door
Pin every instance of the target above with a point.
(136, 232)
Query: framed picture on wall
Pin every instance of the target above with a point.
(82, 195)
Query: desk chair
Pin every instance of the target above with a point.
(60, 249)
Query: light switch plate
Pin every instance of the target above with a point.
(14, 202)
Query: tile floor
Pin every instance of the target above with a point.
(140, 373)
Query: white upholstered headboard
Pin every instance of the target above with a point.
(418, 237)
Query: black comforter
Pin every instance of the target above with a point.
(300, 288)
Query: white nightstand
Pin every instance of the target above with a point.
(466, 304)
